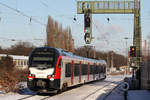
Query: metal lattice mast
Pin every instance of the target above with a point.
(117, 7)
(137, 33)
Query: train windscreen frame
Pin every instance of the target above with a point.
(43, 57)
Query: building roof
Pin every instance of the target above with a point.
(15, 56)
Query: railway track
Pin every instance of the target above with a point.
(111, 91)
(35, 97)
(26, 97)
(91, 95)
(111, 85)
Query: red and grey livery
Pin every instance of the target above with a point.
(54, 69)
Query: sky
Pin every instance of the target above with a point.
(107, 35)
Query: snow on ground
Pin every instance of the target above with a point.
(23, 92)
(92, 91)
(116, 94)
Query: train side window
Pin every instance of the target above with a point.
(100, 69)
(76, 70)
(84, 69)
(68, 70)
(95, 68)
(104, 69)
(91, 69)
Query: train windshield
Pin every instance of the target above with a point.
(43, 58)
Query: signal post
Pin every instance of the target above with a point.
(115, 7)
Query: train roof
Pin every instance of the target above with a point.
(69, 54)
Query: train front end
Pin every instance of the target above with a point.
(44, 70)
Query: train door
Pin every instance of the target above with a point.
(100, 68)
(94, 67)
(72, 72)
(88, 71)
(80, 70)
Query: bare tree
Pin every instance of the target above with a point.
(21, 48)
(119, 60)
(59, 37)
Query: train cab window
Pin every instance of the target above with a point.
(84, 69)
(76, 69)
(68, 70)
(45, 57)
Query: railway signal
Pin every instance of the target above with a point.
(87, 28)
(125, 7)
(132, 51)
(87, 20)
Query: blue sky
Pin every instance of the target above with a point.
(108, 36)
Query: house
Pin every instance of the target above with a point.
(20, 62)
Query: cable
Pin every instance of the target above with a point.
(56, 11)
(44, 4)
(98, 30)
(23, 14)
(17, 40)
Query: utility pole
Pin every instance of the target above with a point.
(108, 61)
(148, 68)
(112, 61)
(145, 51)
(126, 53)
(126, 38)
(148, 50)
(94, 52)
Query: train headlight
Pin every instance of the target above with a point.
(31, 76)
(50, 77)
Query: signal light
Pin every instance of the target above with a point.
(87, 38)
(87, 28)
(132, 51)
(31, 76)
(87, 21)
